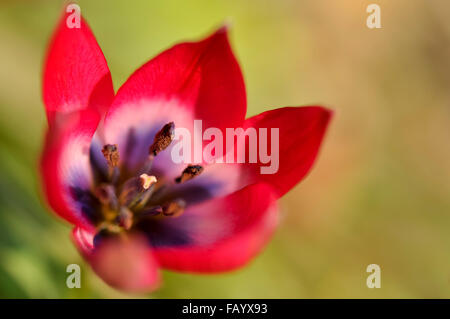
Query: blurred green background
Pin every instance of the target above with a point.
(379, 193)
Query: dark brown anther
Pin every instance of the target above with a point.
(111, 154)
(175, 208)
(152, 211)
(189, 173)
(125, 218)
(163, 139)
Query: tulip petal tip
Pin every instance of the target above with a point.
(226, 25)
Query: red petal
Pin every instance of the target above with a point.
(65, 163)
(242, 223)
(127, 264)
(76, 75)
(301, 131)
(203, 77)
(84, 241)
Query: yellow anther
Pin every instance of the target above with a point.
(147, 181)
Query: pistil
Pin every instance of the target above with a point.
(106, 194)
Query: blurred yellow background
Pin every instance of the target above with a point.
(379, 193)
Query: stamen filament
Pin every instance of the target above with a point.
(137, 190)
(146, 168)
(130, 189)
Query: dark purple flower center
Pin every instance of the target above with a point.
(124, 202)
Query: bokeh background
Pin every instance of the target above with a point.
(379, 193)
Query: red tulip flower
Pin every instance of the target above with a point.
(106, 165)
